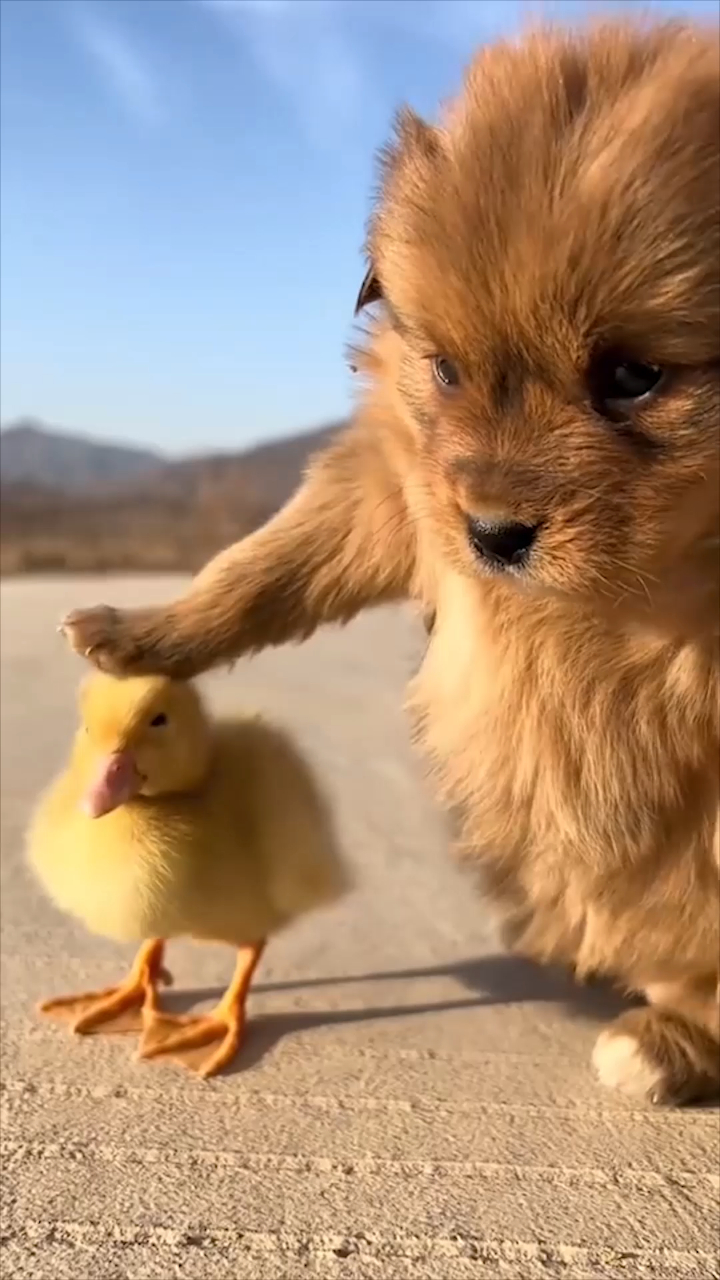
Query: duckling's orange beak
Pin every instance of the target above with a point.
(117, 782)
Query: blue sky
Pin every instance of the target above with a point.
(184, 190)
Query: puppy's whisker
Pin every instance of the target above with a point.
(640, 577)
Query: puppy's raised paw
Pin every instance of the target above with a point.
(116, 641)
(150, 641)
(658, 1056)
(95, 634)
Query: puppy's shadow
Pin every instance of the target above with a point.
(492, 980)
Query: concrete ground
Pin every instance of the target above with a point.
(410, 1105)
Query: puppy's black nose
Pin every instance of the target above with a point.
(502, 544)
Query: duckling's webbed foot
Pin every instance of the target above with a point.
(117, 1009)
(208, 1043)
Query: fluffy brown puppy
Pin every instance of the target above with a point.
(535, 459)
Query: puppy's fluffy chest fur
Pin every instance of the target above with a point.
(577, 756)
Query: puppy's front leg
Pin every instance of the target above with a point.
(669, 1052)
(344, 541)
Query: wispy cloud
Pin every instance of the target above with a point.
(119, 65)
(321, 56)
(458, 24)
(303, 49)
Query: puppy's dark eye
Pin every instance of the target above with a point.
(445, 371)
(158, 720)
(618, 384)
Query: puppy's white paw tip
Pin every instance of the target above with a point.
(620, 1063)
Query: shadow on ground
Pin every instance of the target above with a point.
(493, 979)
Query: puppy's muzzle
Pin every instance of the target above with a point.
(502, 545)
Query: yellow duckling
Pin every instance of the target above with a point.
(166, 823)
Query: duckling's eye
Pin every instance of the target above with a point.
(158, 720)
(446, 373)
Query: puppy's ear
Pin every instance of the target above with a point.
(370, 290)
(415, 148)
(416, 136)
(415, 143)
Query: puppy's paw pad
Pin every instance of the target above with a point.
(621, 1062)
(89, 628)
(107, 636)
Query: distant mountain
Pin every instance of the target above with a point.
(33, 454)
(263, 476)
(159, 516)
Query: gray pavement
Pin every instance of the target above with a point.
(411, 1104)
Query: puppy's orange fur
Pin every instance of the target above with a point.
(566, 208)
